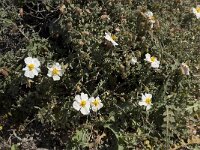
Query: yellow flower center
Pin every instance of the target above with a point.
(95, 103)
(153, 59)
(31, 67)
(114, 37)
(198, 9)
(55, 71)
(83, 103)
(148, 100)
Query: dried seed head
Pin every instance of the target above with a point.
(69, 25)
(78, 88)
(21, 12)
(117, 29)
(122, 68)
(105, 17)
(86, 33)
(4, 72)
(81, 43)
(62, 8)
(79, 11)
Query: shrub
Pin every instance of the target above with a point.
(72, 33)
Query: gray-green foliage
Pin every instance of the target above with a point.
(75, 38)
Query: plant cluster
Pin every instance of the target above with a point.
(75, 74)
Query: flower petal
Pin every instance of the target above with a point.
(155, 64)
(76, 105)
(78, 98)
(114, 43)
(198, 15)
(36, 62)
(56, 78)
(85, 110)
(84, 96)
(133, 60)
(91, 99)
(87, 104)
(149, 14)
(143, 97)
(28, 60)
(25, 68)
(148, 57)
(100, 105)
(141, 103)
(148, 95)
(108, 37)
(94, 109)
(49, 73)
(148, 107)
(29, 74)
(194, 10)
(58, 66)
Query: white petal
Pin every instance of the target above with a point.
(100, 105)
(155, 64)
(149, 14)
(114, 43)
(49, 73)
(148, 57)
(87, 104)
(187, 72)
(148, 107)
(194, 10)
(107, 34)
(28, 60)
(108, 37)
(133, 60)
(85, 110)
(50, 69)
(25, 68)
(60, 73)
(84, 96)
(98, 98)
(76, 105)
(148, 95)
(29, 74)
(57, 64)
(36, 62)
(152, 25)
(38, 69)
(198, 15)
(35, 72)
(56, 78)
(78, 98)
(94, 109)
(143, 97)
(141, 103)
(91, 99)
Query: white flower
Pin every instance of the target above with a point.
(146, 101)
(32, 67)
(185, 69)
(133, 60)
(153, 60)
(150, 17)
(196, 11)
(95, 103)
(110, 38)
(82, 104)
(55, 71)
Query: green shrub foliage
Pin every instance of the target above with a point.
(72, 32)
